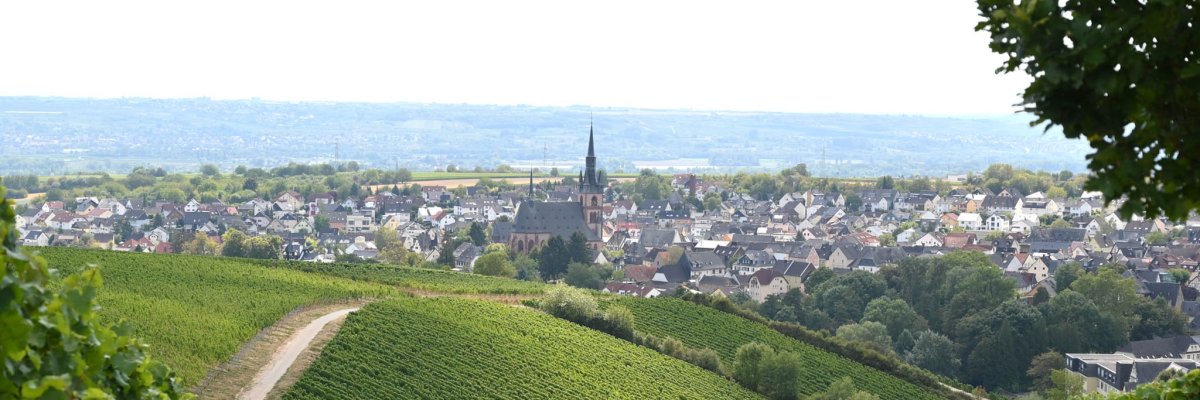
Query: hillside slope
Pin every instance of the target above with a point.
(458, 348)
(196, 312)
(702, 327)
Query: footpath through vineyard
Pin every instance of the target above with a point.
(283, 358)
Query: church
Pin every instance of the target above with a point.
(538, 221)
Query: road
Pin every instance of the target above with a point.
(283, 358)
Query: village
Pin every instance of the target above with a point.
(736, 246)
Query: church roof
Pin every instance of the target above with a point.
(556, 218)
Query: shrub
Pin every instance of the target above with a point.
(746, 361)
(619, 322)
(570, 304)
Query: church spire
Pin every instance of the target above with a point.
(530, 183)
(591, 140)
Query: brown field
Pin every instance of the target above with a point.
(466, 182)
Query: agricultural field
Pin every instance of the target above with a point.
(196, 312)
(448, 348)
(702, 327)
(417, 278)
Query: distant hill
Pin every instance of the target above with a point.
(61, 135)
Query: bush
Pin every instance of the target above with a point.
(620, 322)
(777, 375)
(746, 361)
(570, 304)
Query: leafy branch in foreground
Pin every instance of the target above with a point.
(53, 343)
(1125, 77)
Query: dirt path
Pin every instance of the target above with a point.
(233, 377)
(283, 358)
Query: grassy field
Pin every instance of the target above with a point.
(196, 312)
(418, 278)
(446, 348)
(702, 327)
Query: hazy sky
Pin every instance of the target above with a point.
(805, 56)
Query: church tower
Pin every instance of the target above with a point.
(591, 190)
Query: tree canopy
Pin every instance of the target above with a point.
(1123, 76)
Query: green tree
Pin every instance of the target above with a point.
(1040, 368)
(478, 236)
(1125, 78)
(1156, 318)
(778, 375)
(1075, 325)
(233, 243)
(495, 264)
(1112, 293)
(871, 333)
(843, 389)
(885, 182)
(553, 259)
(54, 344)
(1066, 385)
(321, 223)
(583, 276)
(210, 170)
(201, 244)
(894, 313)
(385, 238)
(1157, 239)
(568, 303)
(1067, 274)
(578, 249)
(747, 360)
(712, 201)
(934, 352)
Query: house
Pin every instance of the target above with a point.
(1117, 373)
(753, 261)
(35, 238)
(766, 282)
(970, 221)
(996, 222)
(702, 264)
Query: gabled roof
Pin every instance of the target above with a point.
(556, 218)
(1170, 347)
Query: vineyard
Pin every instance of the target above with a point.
(702, 327)
(196, 312)
(418, 278)
(447, 348)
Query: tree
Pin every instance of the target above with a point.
(1125, 78)
(1157, 239)
(1067, 274)
(778, 375)
(712, 201)
(905, 342)
(1156, 318)
(446, 256)
(1040, 368)
(887, 240)
(854, 202)
(321, 223)
(885, 182)
(934, 352)
(210, 170)
(569, 303)
(1112, 293)
(553, 259)
(746, 363)
(871, 333)
(399, 255)
(495, 264)
(583, 276)
(478, 236)
(202, 245)
(234, 243)
(1075, 325)
(53, 341)
(269, 247)
(578, 249)
(843, 389)
(385, 238)
(895, 314)
(1060, 223)
(1065, 385)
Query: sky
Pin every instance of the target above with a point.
(871, 57)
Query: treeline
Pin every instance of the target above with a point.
(346, 180)
(959, 316)
(649, 185)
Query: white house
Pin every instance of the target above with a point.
(970, 221)
(996, 222)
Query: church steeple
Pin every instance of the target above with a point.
(531, 183)
(591, 141)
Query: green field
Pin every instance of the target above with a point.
(702, 327)
(445, 348)
(196, 312)
(418, 278)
